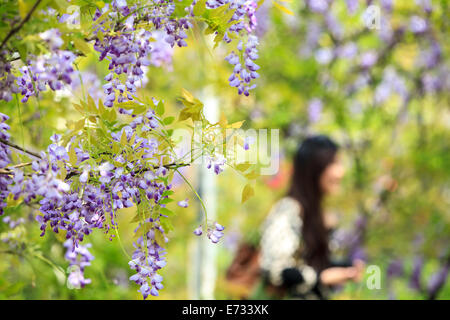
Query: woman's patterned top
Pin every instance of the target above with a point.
(281, 248)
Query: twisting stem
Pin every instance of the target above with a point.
(15, 146)
(16, 29)
(197, 195)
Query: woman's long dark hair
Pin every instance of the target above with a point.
(311, 159)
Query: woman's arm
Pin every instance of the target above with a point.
(339, 275)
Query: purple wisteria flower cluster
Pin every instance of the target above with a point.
(131, 50)
(148, 258)
(315, 107)
(128, 54)
(5, 180)
(214, 232)
(351, 240)
(217, 162)
(13, 234)
(245, 21)
(396, 269)
(79, 258)
(80, 186)
(52, 70)
(161, 51)
(429, 62)
(244, 71)
(78, 196)
(7, 79)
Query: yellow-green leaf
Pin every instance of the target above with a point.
(252, 175)
(187, 95)
(223, 122)
(79, 124)
(101, 108)
(199, 8)
(100, 35)
(91, 105)
(81, 45)
(237, 125)
(136, 218)
(159, 237)
(159, 109)
(123, 138)
(168, 120)
(72, 155)
(110, 115)
(284, 9)
(247, 193)
(11, 202)
(79, 108)
(243, 166)
(24, 8)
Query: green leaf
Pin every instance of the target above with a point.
(237, 125)
(100, 35)
(81, 45)
(23, 51)
(243, 166)
(252, 175)
(180, 7)
(166, 224)
(79, 108)
(127, 105)
(136, 218)
(193, 108)
(159, 238)
(24, 8)
(110, 115)
(223, 122)
(166, 200)
(79, 124)
(199, 8)
(166, 211)
(226, 17)
(220, 11)
(101, 108)
(284, 9)
(187, 95)
(123, 139)
(159, 109)
(72, 155)
(209, 30)
(167, 193)
(91, 105)
(62, 5)
(247, 192)
(168, 120)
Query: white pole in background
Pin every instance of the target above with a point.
(203, 273)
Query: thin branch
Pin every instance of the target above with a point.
(15, 146)
(20, 165)
(16, 29)
(167, 166)
(8, 170)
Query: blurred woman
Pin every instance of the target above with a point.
(295, 256)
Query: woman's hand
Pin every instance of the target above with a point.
(339, 275)
(360, 266)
